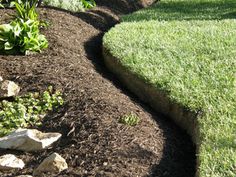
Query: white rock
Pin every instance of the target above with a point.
(28, 140)
(1, 79)
(9, 162)
(52, 164)
(8, 88)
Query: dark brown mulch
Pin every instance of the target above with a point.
(93, 142)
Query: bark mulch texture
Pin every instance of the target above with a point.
(93, 142)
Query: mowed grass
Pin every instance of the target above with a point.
(186, 10)
(189, 51)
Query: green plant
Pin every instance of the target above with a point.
(88, 4)
(27, 110)
(130, 119)
(72, 5)
(26, 9)
(22, 34)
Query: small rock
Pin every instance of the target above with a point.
(1, 79)
(9, 162)
(52, 164)
(8, 88)
(28, 140)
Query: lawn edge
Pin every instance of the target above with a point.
(156, 98)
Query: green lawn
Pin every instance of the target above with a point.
(186, 10)
(187, 48)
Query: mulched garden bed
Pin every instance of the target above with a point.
(93, 142)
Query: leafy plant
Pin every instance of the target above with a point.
(26, 9)
(130, 119)
(72, 5)
(27, 110)
(22, 34)
(88, 4)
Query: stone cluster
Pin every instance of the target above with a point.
(28, 140)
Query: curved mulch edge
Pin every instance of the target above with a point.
(99, 20)
(156, 98)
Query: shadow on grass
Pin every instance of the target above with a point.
(186, 10)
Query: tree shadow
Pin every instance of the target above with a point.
(186, 10)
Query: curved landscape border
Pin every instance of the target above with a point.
(156, 98)
(181, 61)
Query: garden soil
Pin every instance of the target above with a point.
(94, 143)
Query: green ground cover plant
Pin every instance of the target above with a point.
(27, 110)
(186, 48)
(22, 34)
(72, 5)
(129, 119)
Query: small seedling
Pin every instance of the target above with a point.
(130, 119)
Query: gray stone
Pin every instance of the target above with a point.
(8, 88)
(53, 164)
(10, 161)
(28, 140)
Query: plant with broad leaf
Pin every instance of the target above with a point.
(22, 34)
(71, 5)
